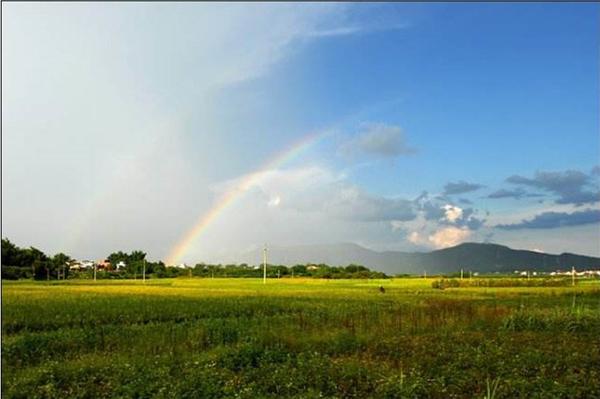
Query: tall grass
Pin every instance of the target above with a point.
(298, 338)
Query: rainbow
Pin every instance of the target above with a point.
(230, 197)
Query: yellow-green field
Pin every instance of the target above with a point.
(200, 338)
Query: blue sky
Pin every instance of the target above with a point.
(132, 118)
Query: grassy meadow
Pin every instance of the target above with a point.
(302, 338)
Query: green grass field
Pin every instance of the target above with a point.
(203, 338)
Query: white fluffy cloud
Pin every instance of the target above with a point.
(302, 205)
(275, 201)
(318, 189)
(452, 212)
(438, 224)
(415, 238)
(449, 236)
(440, 238)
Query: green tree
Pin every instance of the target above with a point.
(117, 257)
(299, 270)
(38, 261)
(137, 256)
(10, 253)
(60, 264)
(42, 269)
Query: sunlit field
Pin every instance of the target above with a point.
(202, 338)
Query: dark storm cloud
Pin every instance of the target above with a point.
(517, 193)
(432, 208)
(571, 186)
(470, 220)
(432, 211)
(579, 198)
(551, 220)
(460, 187)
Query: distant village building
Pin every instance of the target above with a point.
(75, 265)
(87, 264)
(526, 273)
(312, 267)
(121, 265)
(584, 273)
(81, 265)
(104, 264)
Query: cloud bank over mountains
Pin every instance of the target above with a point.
(427, 221)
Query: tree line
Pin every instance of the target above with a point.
(19, 263)
(31, 262)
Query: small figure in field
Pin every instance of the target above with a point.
(381, 289)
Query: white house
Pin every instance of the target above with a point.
(81, 265)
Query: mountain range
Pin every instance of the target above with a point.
(476, 257)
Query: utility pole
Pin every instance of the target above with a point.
(424, 273)
(461, 274)
(94, 271)
(265, 264)
(573, 275)
(144, 271)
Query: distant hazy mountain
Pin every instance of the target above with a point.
(469, 256)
